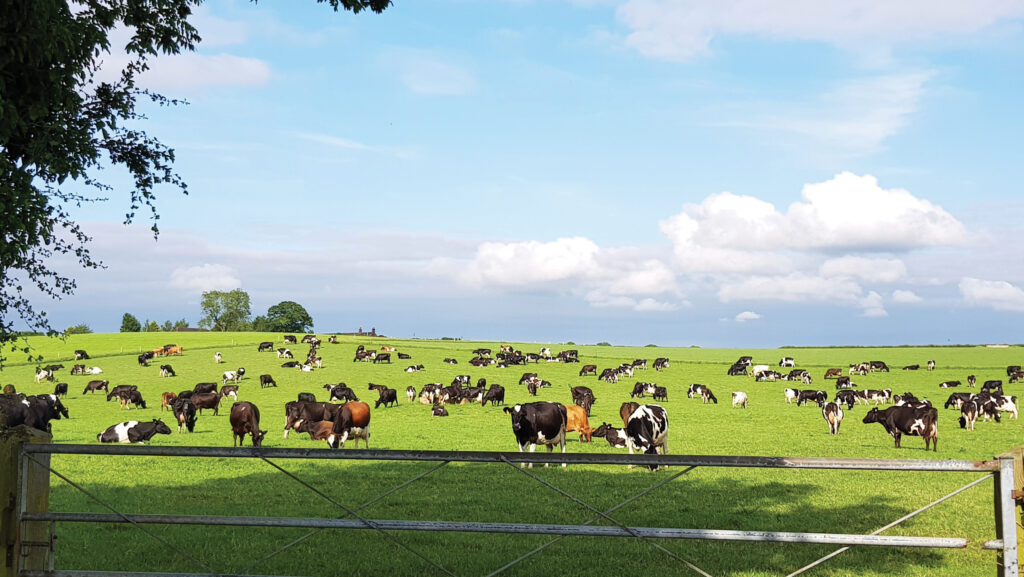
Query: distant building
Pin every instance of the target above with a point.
(361, 333)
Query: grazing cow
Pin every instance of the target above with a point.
(949, 384)
(661, 364)
(267, 381)
(660, 393)
(931, 365)
(245, 420)
(233, 376)
(229, 391)
(833, 373)
(1006, 404)
(995, 386)
(167, 371)
(144, 359)
(911, 367)
(879, 366)
(588, 370)
(708, 396)
(43, 375)
(78, 369)
(819, 397)
(739, 398)
(81, 355)
(342, 393)
(833, 414)
(647, 431)
(844, 383)
(283, 353)
(482, 352)
(609, 375)
(132, 397)
(167, 400)
(908, 420)
(615, 437)
(495, 396)
(846, 397)
(414, 369)
(737, 370)
(184, 413)
(439, 411)
(298, 412)
(528, 377)
(265, 346)
(540, 423)
(61, 389)
(404, 356)
(120, 390)
(388, 397)
(877, 396)
(381, 357)
(969, 412)
(640, 364)
(205, 388)
(971, 379)
(576, 420)
(352, 421)
(957, 400)
(583, 397)
(787, 362)
(306, 398)
(640, 389)
(173, 350)
(410, 392)
(133, 432)
(695, 390)
(218, 358)
(290, 340)
(207, 401)
(94, 386)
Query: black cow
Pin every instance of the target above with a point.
(298, 412)
(306, 398)
(844, 382)
(35, 411)
(439, 411)
(661, 364)
(495, 395)
(184, 413)
(267, 381)
(144, 359)
(290, 340)
(81, 355)
(404, 356)
(911, 367)
(133, 397)
(342, 393)
(588, 370)
(540, 423)
(583, 397)
(245, 420)
(1011, 369)
(204, 388)
(737, 370)
(949, 384)
(879, 366)
(848, 398)
(207, 401)
(641, 389)
(94, 386)
(647, 431)
(956, 400)
(615, 437)
(388, 398)
(265, 346)
(819, 397)
(907, 420)
(133, 432)
(61, 390)
(120, 391)
(381, 357)
(995, 387)
(661, 394)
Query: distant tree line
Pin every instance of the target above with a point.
(130, 324)
(230, 311)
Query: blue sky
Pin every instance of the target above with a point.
(727, 173)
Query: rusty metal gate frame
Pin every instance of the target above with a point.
(1000, 469)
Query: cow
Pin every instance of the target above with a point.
(708, 396)
(540, 423)
(609, 375)
(640, 364)
(173, 350)
(660, 394)
(439, 411)
(971, 379)
(352, 421)
(410, 393)
(911, 367)
(342, 393)
(306, 398)
(144, 359)
(245, 420)
(267, 381)
(290, 340)
(879, 366)
(737, 370)
(133, 397)
(482, 352)
(661, 364)
(626, 409)
(233, 376)
(576, 420)
(43, 375)
(283, 353)
(381, 357)
(298, 412)
(969, 412)
(78, 369)
(647, 431)
(186, 394)
(846, 397)
(949, 384)
(205, 388)
(1006, 404)
(61, 389)
(184, 413)
(787, 362)
(694, 390)
(877, 396)
(931, 365)
(908, 420)
(833, 373)
(844, 383)
(995, 386)
(588, 370)
(207, 401)
(833, 415)
(35, 412)
(388, 397)
(495, 396)
(94, 386)
(739, 398)
(404, 356)
(414, 369)
(93, 371)
(615, 437)
(265, 346)
(819, 397)
(81, 355)
(133, 432)
(956, 400)
(120, 390)
(167, 401)
(229, 391)
(640, 389)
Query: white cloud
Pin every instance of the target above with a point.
(205, 277)
(795, 287)
(873, 306)
(349, 144)
(679, 30)
(999, 295)
(653, 277)
(747, 316)
(424, 72)
(737, 233)
(905, 297)
(600, 299)
(880, 270)
(531, 262)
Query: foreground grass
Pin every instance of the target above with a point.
(757, 499)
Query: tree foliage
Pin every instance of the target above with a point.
(79, 329)
(130, 324)
(61, 123)
(289, 317)
(225, 311)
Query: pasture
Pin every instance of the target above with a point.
(754, 499)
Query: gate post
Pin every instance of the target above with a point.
(24, 487)
(1006, 518)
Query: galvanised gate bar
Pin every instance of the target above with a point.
(34, 557)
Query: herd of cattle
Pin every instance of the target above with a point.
(644, 426)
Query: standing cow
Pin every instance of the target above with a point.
(540, 423)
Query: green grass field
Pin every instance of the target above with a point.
(750, 499)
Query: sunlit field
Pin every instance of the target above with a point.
(747, 499)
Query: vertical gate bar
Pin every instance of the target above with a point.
(1006, 519)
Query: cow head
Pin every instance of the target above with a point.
(161, 427)
(873, 416)
(518, 415)
(257, 438)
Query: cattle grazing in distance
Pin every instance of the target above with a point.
(167, 371)
(61, 389)
(907, 420)
(787, 362)
(94, 386)
(290, 340)
(737, 370)
(144, 359)
(229, 391)
(847, 397)
(641, 389)
(120, 390)
(640, 364)
(739, 398)
(844, 383)
(267, 381)
(971, 379)
(78, 369)
(342, 393)
(609, 375)
(540, 423)
(818, 397)
(184, 413)
(661, 364)
(615, 437)
(588, 370)
(994, 386)
(931, 365)
(969, 412)
(133, 397)
(81, 355)
(956, 400)
(218, 358)
(439, 411)
(43, 375)
(205, 388)
(382, 357)
(410, 393)
(388, 397)
(833, 415)
(576, 420)
(833, 373)
(660, 393)
(495, 396)
(265, 346)
(708, 396)
(283, 353)
(911, 367)
(877, 396)
(879, 366)
(245, 420)
(133, 432)
(647, 431)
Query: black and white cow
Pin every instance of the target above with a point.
(971, 379)
(661, 363)
(907, 420)
(949, 384)
(184, 413)
(792, 394)
(661, 394)
(833, 415)
(641, 389)
(133, 432)
(540, 423)
(877, 396)
(284, 353)
(265, 346)
(819, 397)
(787, 362)
(847, 397)
(957, 400)
(615, 437)
(969, 412)
(167, 371)
(647, 431)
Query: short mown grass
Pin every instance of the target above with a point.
(748, 499)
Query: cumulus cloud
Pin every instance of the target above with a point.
(998, 295)
(531, 262)
(205, 277)
(737, 233)
(905, 297)
(601, 299)
(882, 270)
(679, 30)
(747, 316)
(872, 305)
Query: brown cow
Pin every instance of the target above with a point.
(353, 421)
(207, 401)
(833, 373)
(626, 410)
(577, 421)
(175, 350)
(166, 400)
(245, 419)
